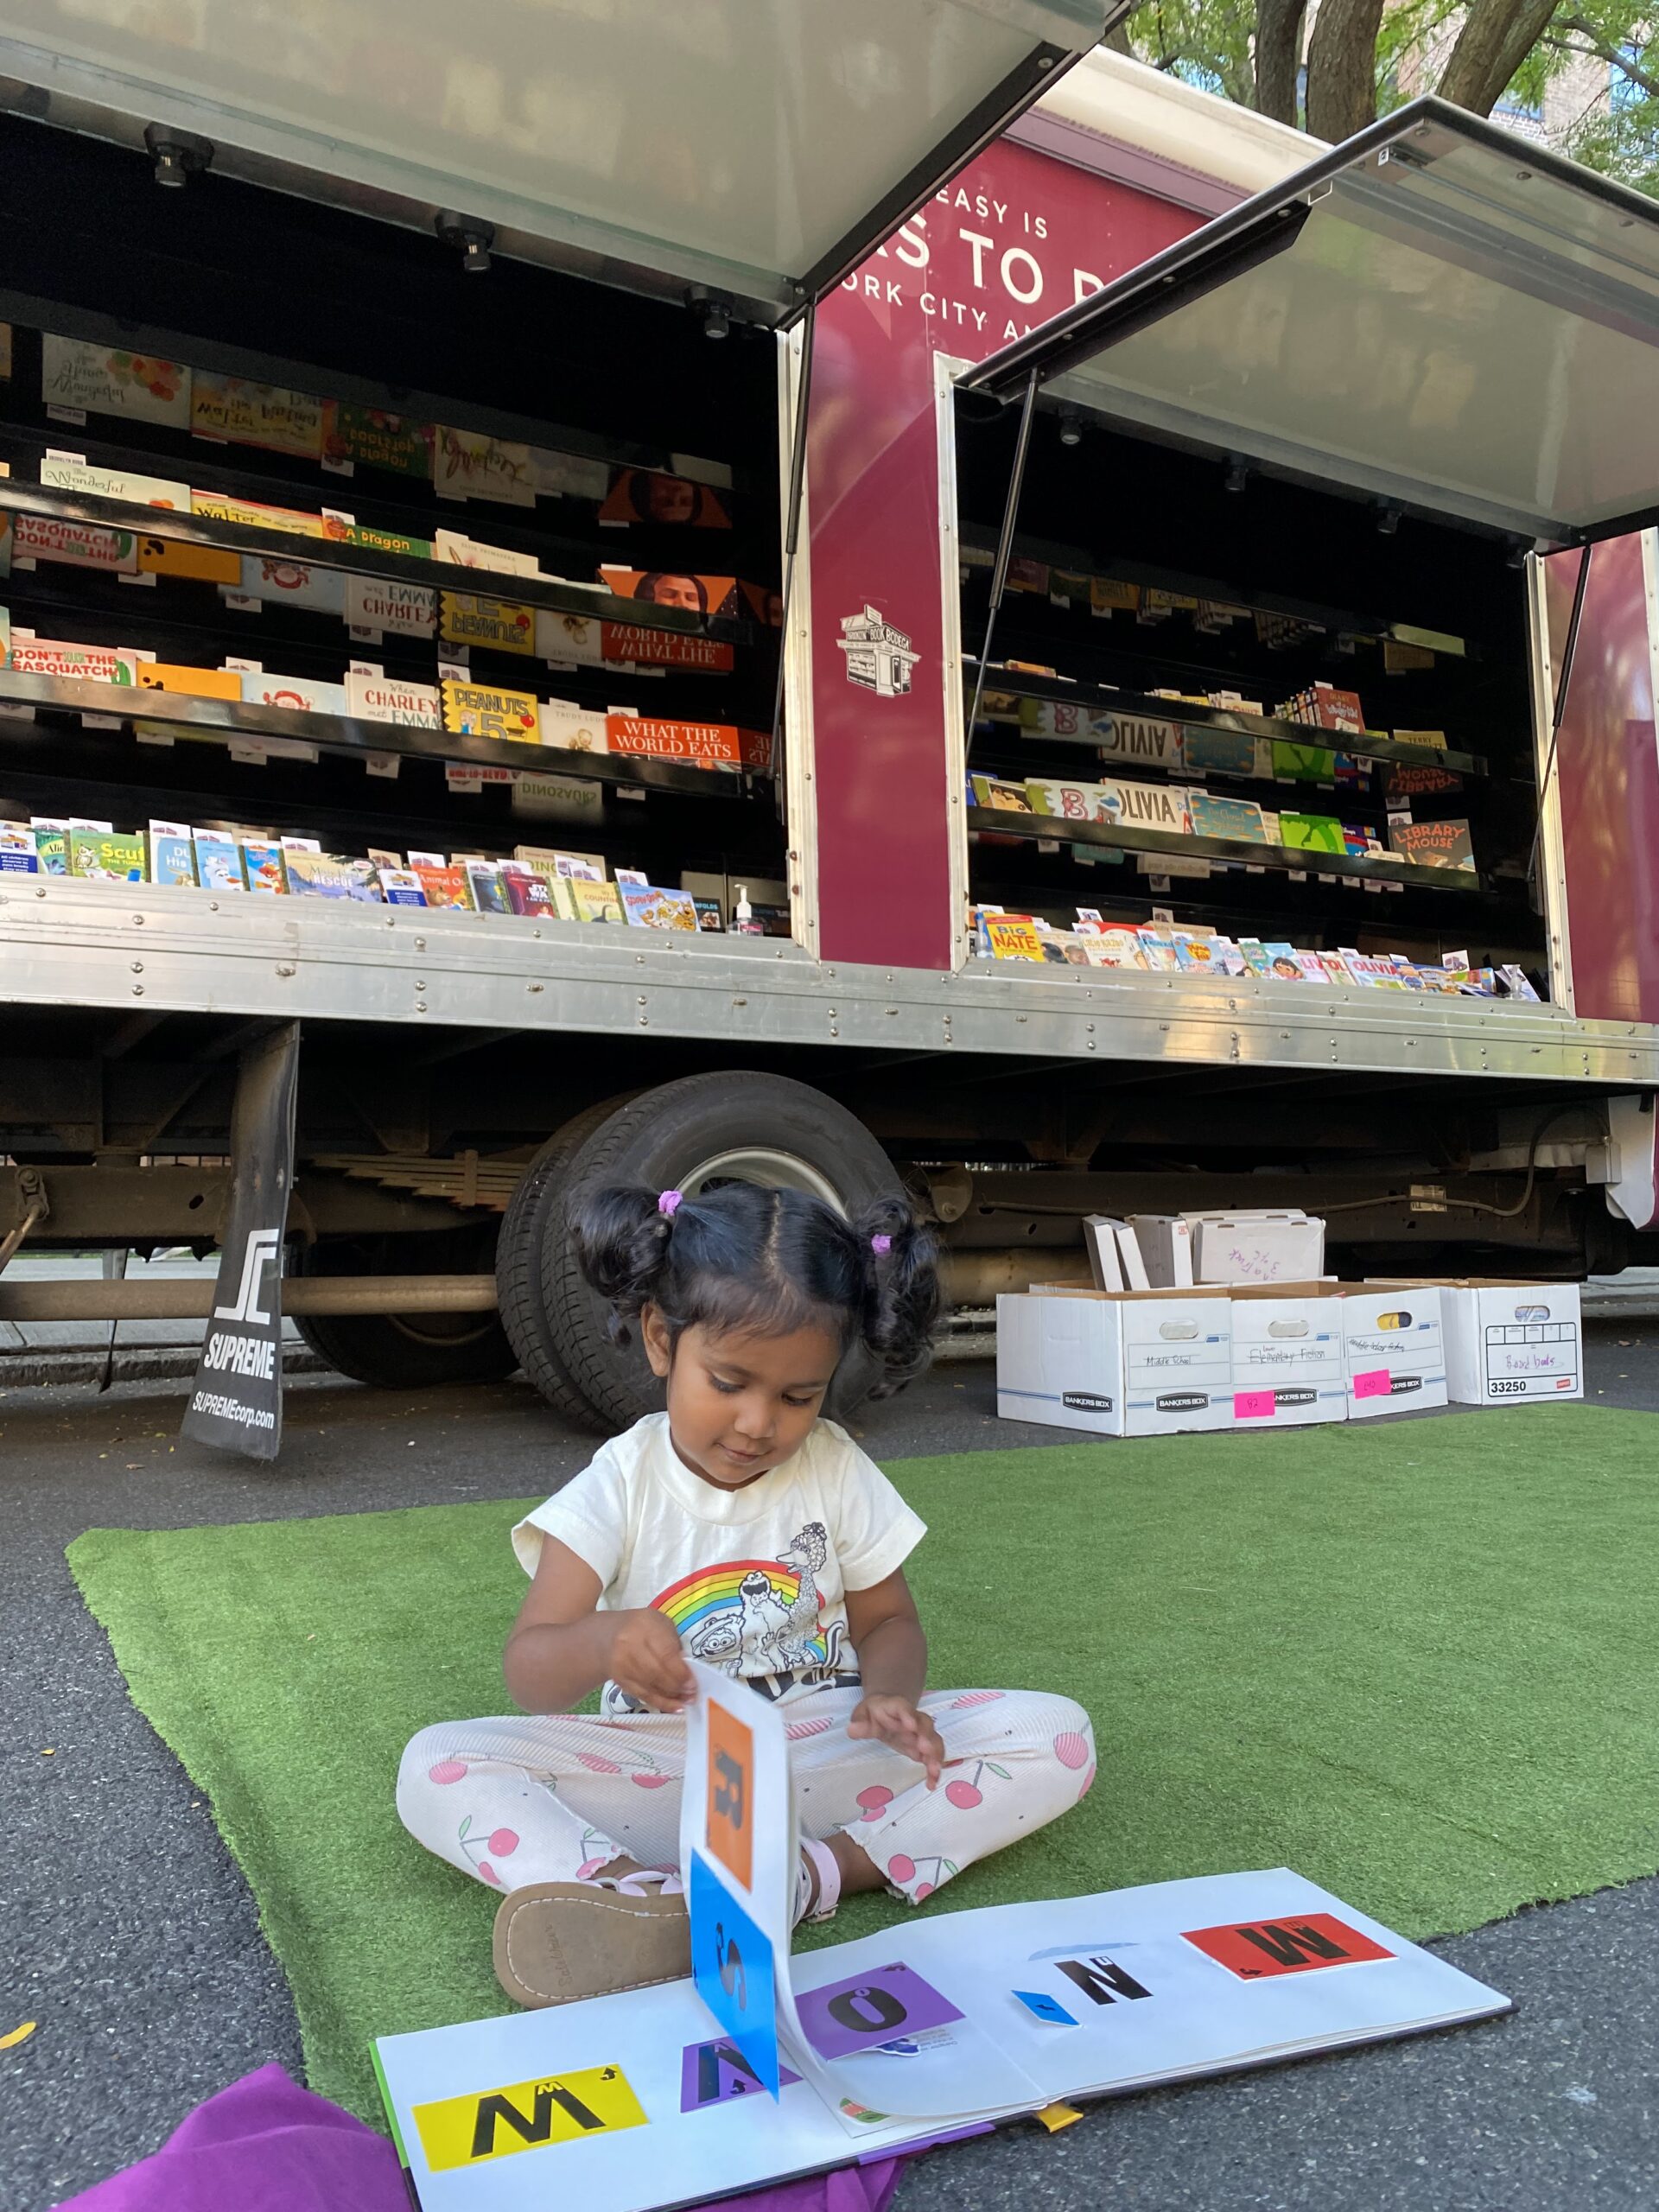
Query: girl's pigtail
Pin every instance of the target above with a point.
(902, 1300)
(621, 1240)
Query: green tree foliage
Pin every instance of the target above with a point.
(1363, 57)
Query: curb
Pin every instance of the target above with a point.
(32, 1370)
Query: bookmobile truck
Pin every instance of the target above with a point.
(768, 314)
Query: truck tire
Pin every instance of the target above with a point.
(694, 1133)
(525, 1228)
(406, 1351)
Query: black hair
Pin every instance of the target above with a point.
(743, 1258)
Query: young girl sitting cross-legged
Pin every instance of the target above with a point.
(742, 1529)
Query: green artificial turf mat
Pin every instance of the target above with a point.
(1416, 1663)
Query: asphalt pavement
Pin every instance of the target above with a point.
(127, 1931)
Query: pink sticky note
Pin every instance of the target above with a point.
(1374, 1385)
(1252, 1405)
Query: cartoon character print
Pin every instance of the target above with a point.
(758, 1620)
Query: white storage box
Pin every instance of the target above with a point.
(1393, 1348)
(1287, 1362)
(1136, 1363)
(1511, 1341)
(1257, 1247)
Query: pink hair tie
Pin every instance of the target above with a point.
(881, 1243)
(668, 1203)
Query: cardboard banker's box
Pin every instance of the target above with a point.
(1287, 1364)
(1131, 1364)
(1393, 1348)
(1512, 1340)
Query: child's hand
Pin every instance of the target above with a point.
(895, 1721)
(648, 1660)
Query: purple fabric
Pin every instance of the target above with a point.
(263, 2146)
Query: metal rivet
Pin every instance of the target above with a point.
(420, 984)
(534, 987)
(41, 893)
(137, 990)
(419, 1006)
(420, 944)
(138, 967)
(642, 999)
(212, 904)
(284, 967)
(644, 1024)
(138, 921)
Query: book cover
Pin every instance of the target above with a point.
(1361, 842)
(19, 855)
(466, 552)
(470, 465)
(1311, 833)
(571, 728)
(51, 844)
(375, 540)
(1418, 780)
(1137, 738)
(721, 745)
(1002, 797)
(190, 682)
(207, 564)
(1303, 764)
(1148, 806)
(400, 886)
(1162, 954)
(1282, 963)
(389, 609)
(172, 853)
(1312, 967)
(1230, 959)
(263, 864)
(296, 522)
(649, 906)
(1433, 844)
(106, 855)
(219, 861)
(79, 664)
(1114, 947)
(378, 699)
(527, 891)
(326, 875)
(1062, 800)
(484, 710)
(649, 495)
(1255, 956)
(602, 902)
(248, 414)
(78, 378)
(295, 695)
(710, 917)
(444, 884)
(1013, 936)
(1222, 753)
(367, 438)
(1238, 818)
(75, 544)
(488, 894)
(497, 625)
(631, 645)
(590, 866)
(278, 583)
(691, 593)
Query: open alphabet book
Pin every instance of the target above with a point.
(762, 2066)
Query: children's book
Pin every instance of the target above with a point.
(1162, 953)
(1303, 764)
(18, 853)
(326, 875)
(1256, 957)
(1282, 963)
(525, 890)
(759, 2066)
(264, 866)
(1311, 833)
(1224, 753)
(400, 886)
(1212, 817)
(444, 884)
(710, 918)
(648, 906)
(1115, 948)
(1000, 796)
(1229, 958)
(1149, 806)
(486, 711)
(488, 894)
(1012, 937)
(602, 902)
(1433, 844)
(219, 861)
(51, 844)
(103, 855)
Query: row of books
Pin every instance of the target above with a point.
(365, 693)
(373, 607)
(1182, 812)
(1151, 740)
(1403, 648)
(537, 881)
(79, 379)
(1166, 950)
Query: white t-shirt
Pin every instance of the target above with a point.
(754, 1580)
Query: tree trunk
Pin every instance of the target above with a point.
(1278, 54)
(1496, 38)
(1341, 68)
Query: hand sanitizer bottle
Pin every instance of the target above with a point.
(743, 921)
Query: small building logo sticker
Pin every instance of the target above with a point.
(878, 656)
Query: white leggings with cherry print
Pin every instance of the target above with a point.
(553, 1797)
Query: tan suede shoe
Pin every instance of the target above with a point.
(556, 1942)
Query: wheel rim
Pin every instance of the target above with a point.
(427, 1330)
(765, 1165)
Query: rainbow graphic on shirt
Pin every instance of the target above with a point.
(741, 1606)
